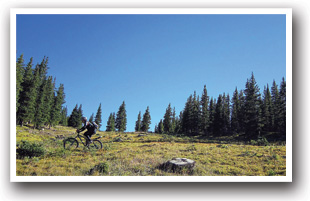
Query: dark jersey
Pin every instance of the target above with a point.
(88, 126)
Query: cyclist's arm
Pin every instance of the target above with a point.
(81, 129)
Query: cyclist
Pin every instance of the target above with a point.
(91, 129)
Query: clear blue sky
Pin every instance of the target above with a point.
(152, 60)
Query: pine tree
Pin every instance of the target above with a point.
(43, 101)
(204, 121)
(20, 68)
(241, 112)
(195, 118)
(111, 122)
(42, 69)
(161, 127)
(218, 122)
(28, 94)
(138, 123)
(282, 105)
(156, 129)
(71, 121)
(39, 110)
(91, 118)
(64, 117)
(187, 116)
(267, 110)
(235, 107)
(167, 120)
(75, 118)
(275, 98)
(226, 115)
(98, 119)
(252, 109)
(59, 100)
(80, 115)
(108, 127)
(211, 116)
(49, 102)
(146, 120)
(173, 121)
(37, 97)
(121, 118)
(178, 123)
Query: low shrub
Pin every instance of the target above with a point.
(262, 142)
(275, 156)
(102, 168)
(167, 138)
(253, 142)
(271, 173)
(27, 149)
(223, 146)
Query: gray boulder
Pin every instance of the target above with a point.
(178, 165)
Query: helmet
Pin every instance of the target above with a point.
(84, 119)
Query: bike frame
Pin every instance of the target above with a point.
(80, 137)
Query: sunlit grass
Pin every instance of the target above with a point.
(139, 154)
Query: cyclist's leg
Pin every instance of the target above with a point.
(92, 133)
(87, 134)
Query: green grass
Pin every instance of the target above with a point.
(135, 155)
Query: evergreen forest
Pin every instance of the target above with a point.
(247, 114)
(38, 101)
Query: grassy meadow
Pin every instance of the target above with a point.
(140, 154)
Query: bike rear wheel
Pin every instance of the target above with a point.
(95, 145)
(71, 143)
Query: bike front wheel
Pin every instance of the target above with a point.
(96, 145)
(71, 143)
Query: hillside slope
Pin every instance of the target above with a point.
(140, 154)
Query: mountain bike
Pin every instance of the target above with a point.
(73, 143)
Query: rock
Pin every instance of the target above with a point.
(118, 140)
(60, 137)
(178, 164)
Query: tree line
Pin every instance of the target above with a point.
(38, 101)
(74, 120)
(248, 113)
(116, 122)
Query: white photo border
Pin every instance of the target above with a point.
(289, 95)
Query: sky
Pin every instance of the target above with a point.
(152, 60)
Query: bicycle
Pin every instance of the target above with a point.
(72, 142)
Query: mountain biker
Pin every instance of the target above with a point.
(91, 129)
